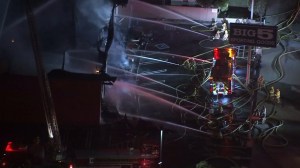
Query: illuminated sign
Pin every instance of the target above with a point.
(253, 35)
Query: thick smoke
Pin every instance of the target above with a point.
(97, 13)
(94, 15)
(117, 55)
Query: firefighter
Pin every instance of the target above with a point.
(217, 35)
(224, 24)
(214, 88)
(225, 36)
(263, 114)
(220, 108)
(195, 92)
(260, 81)
(243, 21)
(271, 92)
(277, 95)
(226, 88)
(224, 27)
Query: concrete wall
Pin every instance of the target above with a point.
(141, 9)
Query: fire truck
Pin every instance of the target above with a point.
(221, 82)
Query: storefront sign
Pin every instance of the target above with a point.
(253, 35)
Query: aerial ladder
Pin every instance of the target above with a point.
(47, 100)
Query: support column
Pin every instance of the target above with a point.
(248, 66)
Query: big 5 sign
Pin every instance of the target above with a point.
(254, 35)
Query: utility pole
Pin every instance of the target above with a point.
(248, 66)
(249, 51)
(252, 8)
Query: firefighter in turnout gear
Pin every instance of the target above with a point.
(271, 92)
(277, 95)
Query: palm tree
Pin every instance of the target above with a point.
(260, 7)
(221, 4)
